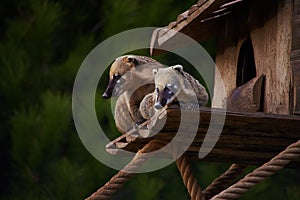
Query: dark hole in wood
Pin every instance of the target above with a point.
(262, 96)
(246, 69)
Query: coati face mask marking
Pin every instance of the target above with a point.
(164, 96)
(111, 85)
(119, 73)
(167, 83)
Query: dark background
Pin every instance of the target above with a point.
(42, 45)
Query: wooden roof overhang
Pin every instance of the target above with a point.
(200, 22)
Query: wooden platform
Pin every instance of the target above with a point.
(248, 138)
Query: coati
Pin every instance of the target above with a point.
(173, 84)
(130, 79)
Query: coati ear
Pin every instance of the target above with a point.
(133, 60)
(154, 72)
(178, 68)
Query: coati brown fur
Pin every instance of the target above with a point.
(130, 79)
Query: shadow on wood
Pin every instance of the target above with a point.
(246, 138)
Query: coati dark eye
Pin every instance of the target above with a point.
(116, 76)
(166, 89)
(132, 60)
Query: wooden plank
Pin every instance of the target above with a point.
(247, 138)
(192, 9)
(201, 2)
(271, 34)
(296, 32)
(296, 21)
(295, 57)
(231, 36)
(296, 75)
(182, 16)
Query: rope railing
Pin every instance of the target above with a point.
(224, 181)
(188, 178)
(235, 191)
(118, 180)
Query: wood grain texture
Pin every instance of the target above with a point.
(247, 138)
(247, 97)
(191, 25)
(295, 56)
(268, 25)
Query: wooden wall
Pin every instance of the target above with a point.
(268, 24)
(295, 56)
(231, 35)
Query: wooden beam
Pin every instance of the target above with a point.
(246, 138)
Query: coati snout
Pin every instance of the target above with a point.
(163, 97)
(118, 69)
(110, 87)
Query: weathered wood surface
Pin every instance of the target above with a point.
(181, 25)
(246, 138)
(196, 22)
(295, 55)
(268, 25)
(247, 97)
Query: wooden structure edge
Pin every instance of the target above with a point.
(246, 138)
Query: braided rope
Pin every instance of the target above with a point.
(117, 181)
(188, 178)
(292, 152)
(223, 181)
(184, 167)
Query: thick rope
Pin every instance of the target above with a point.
(184, 167)
(117, 181)
(188, 178)
(292, 152)
(224, 181)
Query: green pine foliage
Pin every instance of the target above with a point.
(42, 44)
(42, 156)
